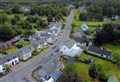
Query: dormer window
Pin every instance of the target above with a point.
(22, 52)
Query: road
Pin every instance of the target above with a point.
(21, 73)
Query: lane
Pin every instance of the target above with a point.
(21, 74)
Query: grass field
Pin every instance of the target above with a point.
(82, 68)
(91, 24)
(11, 50)
(114, 48)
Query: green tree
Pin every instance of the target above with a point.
(97, 71)
(14, 21)
(35, 52)
(93, 71)
(16, 9)
(116, 58)
(3, 18)
(50, 18)
(17, 17)
(6, 32)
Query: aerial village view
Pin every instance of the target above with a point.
(59, 40)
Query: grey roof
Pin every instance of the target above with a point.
(70, 43)
(56, 24)
(55, 74)
(7, 58)
(5, 44)
(48, 67)
(100, 51)
(22, 51)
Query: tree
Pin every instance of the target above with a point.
(19, 45)
(31, 19)
(6, 32)
(97, 71)
(35, 52)
(17, 17)
(16, 9)
(14, 21)
(93, 71)
(3, 18)
(116, 58)
(7, 66)
(27, 33)
(71, 77)
(50, 18)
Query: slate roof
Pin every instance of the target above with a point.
(22, 51)
(99, 51)
(7, 58)
(55, 74)
(48, 67)
(70, 43)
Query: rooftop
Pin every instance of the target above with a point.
(100, 51)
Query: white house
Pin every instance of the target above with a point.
(70, 48)
(9, 59)
(54, 28)
(25, 52)
(84, 27)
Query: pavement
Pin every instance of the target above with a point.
(21, 71)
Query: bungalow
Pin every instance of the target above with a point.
(25, 52)
(49, 70)
(99, 52)
(70, 48)
(85, 28)
(9, 59)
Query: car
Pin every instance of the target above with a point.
(56, 50)
(54, 47)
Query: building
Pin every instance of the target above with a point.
(25, 52)
(79, 36)
(51, 39)
(54, 28)
(99, 52)
(70, 48)
(85, 28)
(9, 59)
(49, 70)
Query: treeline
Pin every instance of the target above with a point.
(20, 22)
(98, 11)
(108, 34)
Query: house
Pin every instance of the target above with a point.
(115, 17)
(5, 44)
(25, 52)
(85, 28)
(79, 36)
(49, 70)
(99, 52)
(54, 28)
(112, 79)
(9, 59)
(51, 39)
(38, 44)
(70, 48)
(82, 9)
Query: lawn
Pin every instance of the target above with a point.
(11, 50)
(82, 68)
(114, 48)
(91, 24)
(25, 43)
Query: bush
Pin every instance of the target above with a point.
(35, 52)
